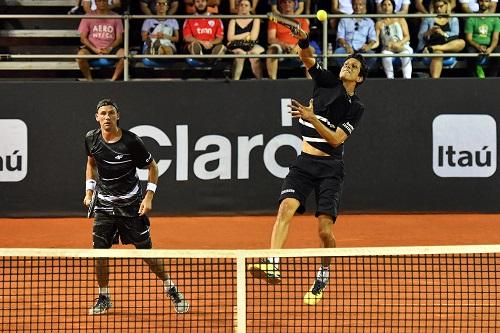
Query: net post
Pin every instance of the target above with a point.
(241, 311)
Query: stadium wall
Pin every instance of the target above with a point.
(222, 147)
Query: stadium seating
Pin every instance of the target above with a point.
(60, 37)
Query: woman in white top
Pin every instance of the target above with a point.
(394, 37)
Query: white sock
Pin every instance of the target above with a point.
(274, 260)
(104, 291)
(168, 284)
(323, 274)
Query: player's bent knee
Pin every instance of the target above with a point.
(326, 234)
(289, 206)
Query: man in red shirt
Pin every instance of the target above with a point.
(280, 39)
(203, 35)
(101, 36)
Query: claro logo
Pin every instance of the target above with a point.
(13, 150)
(464, 145)
(223, 153)
(244, 144)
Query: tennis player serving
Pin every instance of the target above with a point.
(326, 122)
(113, 154)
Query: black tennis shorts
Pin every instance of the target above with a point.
(109, 229)
(323, 174)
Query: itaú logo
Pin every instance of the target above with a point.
(13, 150)
(464, 145)
(222, 155)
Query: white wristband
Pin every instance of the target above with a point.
(151, 187)
(90, 184)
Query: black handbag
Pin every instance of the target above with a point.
(245, 45)
(438, 39)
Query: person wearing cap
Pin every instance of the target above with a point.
(114, 197)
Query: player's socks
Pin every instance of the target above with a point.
(167, 284)
(266, 269)
(104, 291)
(274, 260)
(315, 294)
(323, 274)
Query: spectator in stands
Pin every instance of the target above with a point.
(77, 9)
(424, 6)
(160, 35)
(148, 7)
(340, 7)
(280, 40)
(212, 6)
(356, 35)
(427, 6)
(394, 36)
(202, 34)
(481, 34)
(400, 6)
(298, 7)
(439, 35)
(472, 6)
(242, 35)
(91, 5)
(101, 36)
(233, 6)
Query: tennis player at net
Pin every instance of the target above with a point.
(326, 123)
(120, 210)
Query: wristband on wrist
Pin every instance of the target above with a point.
(303, 43)
(90, 184)
(151, 187)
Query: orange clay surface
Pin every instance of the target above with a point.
(351, 304)
(253, 232)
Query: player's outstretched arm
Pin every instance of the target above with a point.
(306, 52)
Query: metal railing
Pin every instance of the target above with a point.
(324, 55)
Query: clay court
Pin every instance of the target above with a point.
(354, 303)
(253, 232)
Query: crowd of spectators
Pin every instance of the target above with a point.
(395, 37)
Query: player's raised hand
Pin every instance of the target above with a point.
(302, 111)
(299, 33)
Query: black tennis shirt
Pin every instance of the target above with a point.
(333, 107)
(118, 182)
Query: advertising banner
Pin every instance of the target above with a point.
(223, 147)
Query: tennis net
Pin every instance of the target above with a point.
(403, 289)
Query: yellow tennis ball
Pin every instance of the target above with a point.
(321, 15)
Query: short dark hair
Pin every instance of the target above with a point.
(106, 102)
(393, 4)
(363, 71)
